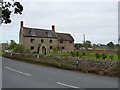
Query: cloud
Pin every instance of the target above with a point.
(97, 20)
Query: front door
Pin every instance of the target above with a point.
(38, 50)
(44, 50)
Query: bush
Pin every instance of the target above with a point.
(104, 56)
(93, 70)
(97, 55)
(83, 53)
(72, 54)
(19, 48)
(27, 51)
(77, 53)
(83, 67)
(66, 66)
(112, 71)
(56, 49)
(111, 57)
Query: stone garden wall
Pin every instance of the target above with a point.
(80, 61)
(102, 67)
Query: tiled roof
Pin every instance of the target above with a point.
(43, 33)
(64, 36)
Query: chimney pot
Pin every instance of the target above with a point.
(21, 24)
(53, 28)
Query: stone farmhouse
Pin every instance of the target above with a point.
(4, 46)
(44, 41)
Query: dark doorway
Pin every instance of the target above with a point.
(44, 50)
(38, 50)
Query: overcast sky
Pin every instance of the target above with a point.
(97, 20)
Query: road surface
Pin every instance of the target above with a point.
(23, 75)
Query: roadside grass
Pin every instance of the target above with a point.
(87, 55)
(65, 66)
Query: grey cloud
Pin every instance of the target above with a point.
(97, 20)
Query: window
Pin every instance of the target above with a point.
(32, 40)
(63, 47)
(50, 41)
(49, 34)
(61, 41)
(42, 40)
(50, 47)
(32, 47)
(33, 33)
(70, 41)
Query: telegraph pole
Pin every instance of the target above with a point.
(83, 38)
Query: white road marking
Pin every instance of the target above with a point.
(18, 71)
(66, 85)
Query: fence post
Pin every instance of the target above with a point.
(11, 54)
(77, 62)
(37, 56)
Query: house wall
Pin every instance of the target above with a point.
(67, 46)
(21, 36)
(26, 42)
(37, 43)
(4, 46)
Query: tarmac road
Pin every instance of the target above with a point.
(17, 74)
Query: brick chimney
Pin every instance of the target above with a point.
(21, 24)
(53, 28)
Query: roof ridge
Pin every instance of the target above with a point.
(38, 29)
(63, 33)
(42, 33)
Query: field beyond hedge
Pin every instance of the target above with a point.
(88, 55)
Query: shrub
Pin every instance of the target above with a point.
(27, 51)
(83, 53)
(80, 55)
(56, 49)
(19, 48)
(93, 70)
(119, 53)
(77, 53)
(112, 71)
(111, 57)
(97, 55)
(83, 67)
(72, 54)
(66, 66)
(104, 56)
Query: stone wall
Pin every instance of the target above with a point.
(37, 43)
(101, 67)
(26, 42)
(80, 61)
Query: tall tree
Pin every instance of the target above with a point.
(117, 46)
(19, 48)
(16, 47)
(13, 44)
(110, 45)
(94, 46)
(87, 44)
(78, 45)
(7, 9)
